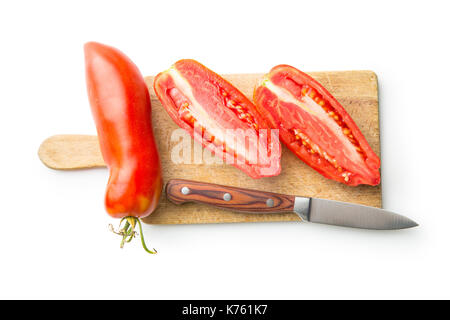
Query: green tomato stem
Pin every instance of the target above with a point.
(142, 238)
(128, 233)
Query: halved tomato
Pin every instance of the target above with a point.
(219, 116)
(315, 126)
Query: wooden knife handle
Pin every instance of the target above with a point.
(237, 199)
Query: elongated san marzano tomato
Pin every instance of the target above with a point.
(315, 126)
(208, 108)
(120, 104)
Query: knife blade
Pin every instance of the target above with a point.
(314, 210)
(350, 215)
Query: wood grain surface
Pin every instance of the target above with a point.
(357, 91)
(226, 197)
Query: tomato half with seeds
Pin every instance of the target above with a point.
(315, 126)
(211, 109)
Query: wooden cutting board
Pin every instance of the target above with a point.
(357, 91)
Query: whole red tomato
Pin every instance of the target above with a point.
(120, 104)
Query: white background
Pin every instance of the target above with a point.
(54, 241)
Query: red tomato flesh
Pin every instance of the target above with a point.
(206, 106)
(315, 126)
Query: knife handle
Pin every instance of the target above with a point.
(180, 191)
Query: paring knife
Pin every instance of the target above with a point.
(308, 209)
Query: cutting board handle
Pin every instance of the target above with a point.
(71, 151)
(180, 191)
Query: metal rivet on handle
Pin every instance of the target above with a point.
(185, 190)
(227, 197)
(270, 203)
